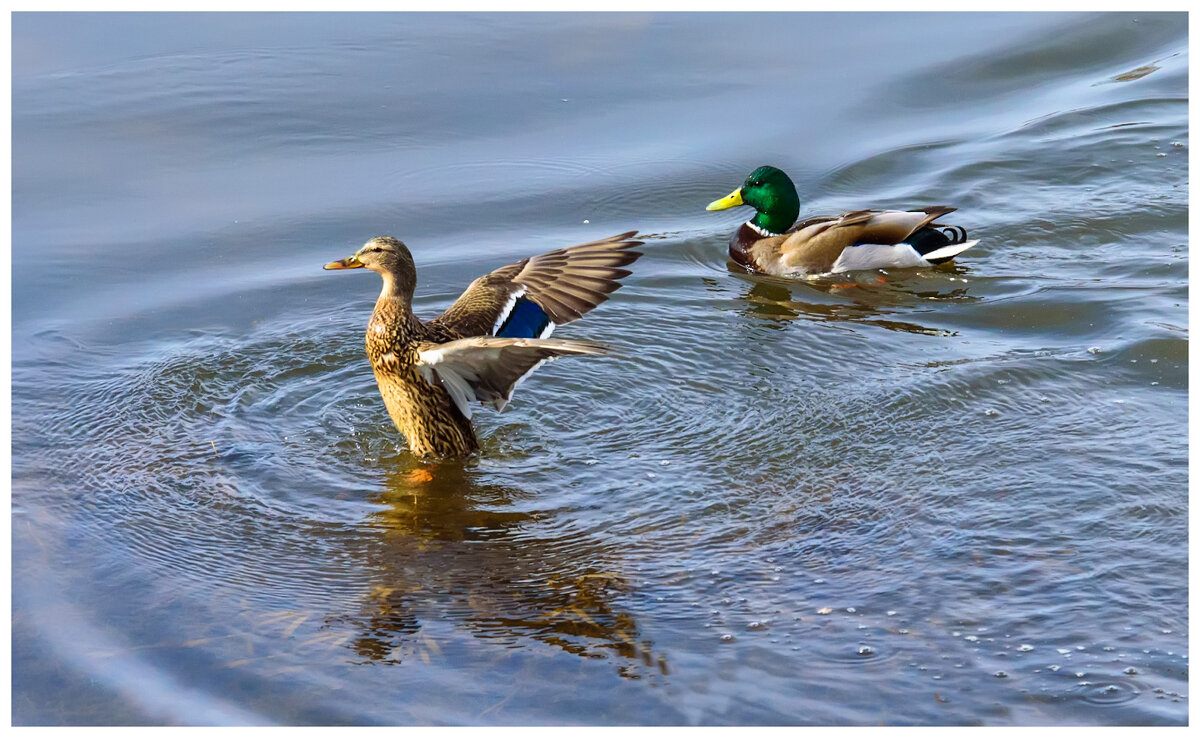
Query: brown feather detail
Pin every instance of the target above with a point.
(813, 245)
(491, 367)
(566, 283)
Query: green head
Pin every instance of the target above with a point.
(769, 191)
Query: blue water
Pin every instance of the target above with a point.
(944, 496)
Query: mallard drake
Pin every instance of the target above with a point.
(493, 336)
(861, 239)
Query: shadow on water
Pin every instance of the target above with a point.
(451, 546)
(866, 298)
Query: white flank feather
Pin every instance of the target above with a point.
(877, 256)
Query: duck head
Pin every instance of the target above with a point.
(390, 258)
(770, 192)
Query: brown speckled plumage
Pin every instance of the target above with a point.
(417, 364)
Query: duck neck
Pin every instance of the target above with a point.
(777, 220)
(393, 309)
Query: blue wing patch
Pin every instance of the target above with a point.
(525, 320)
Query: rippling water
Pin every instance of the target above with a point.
(942, 496)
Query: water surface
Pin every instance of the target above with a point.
(948, 496)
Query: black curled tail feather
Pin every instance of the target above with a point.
(936, 236)
(954, 234)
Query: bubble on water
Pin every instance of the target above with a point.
(991, 412)
(1063, 650)
(825, 611)
(1080, 648)
(891, 613)
(1108, 648)
(651, 475)
(1054, 667)
(971, 638)
(666, 462)
(1109, 692)
(1025, 647)
(1001, 675)
(591, 462)
(903, 631)
(756, 625)
(1154, 361)
(1080, 674)
(865, 650)
(1160, 154)
(727, 638)
(818, 581)
(1094, 349)
(852, 610)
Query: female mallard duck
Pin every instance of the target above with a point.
(860, 239)
(490, 339)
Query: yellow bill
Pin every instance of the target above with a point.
(350, 262)
(732, 200)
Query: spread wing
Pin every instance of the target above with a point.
(489, 369)
(529, 298)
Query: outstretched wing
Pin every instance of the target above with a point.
(489, 369)
(529, 298)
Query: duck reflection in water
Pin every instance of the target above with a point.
(450, 548)
(866, 300)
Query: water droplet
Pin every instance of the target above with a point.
(891, 613)
(824, 611)
(651, 475)
(727, 638)
(1001, 675)
(1054, 667)
(1025, 647)
(1094, 349)
(971, 638)
(1131, 670)
(902, 631)
(990, 412)
(851, 609)
(756, 625)
(591, 462)
(865, 650)
(1080, 674)
(1063, 650)
(818, 581)
(666, 462)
